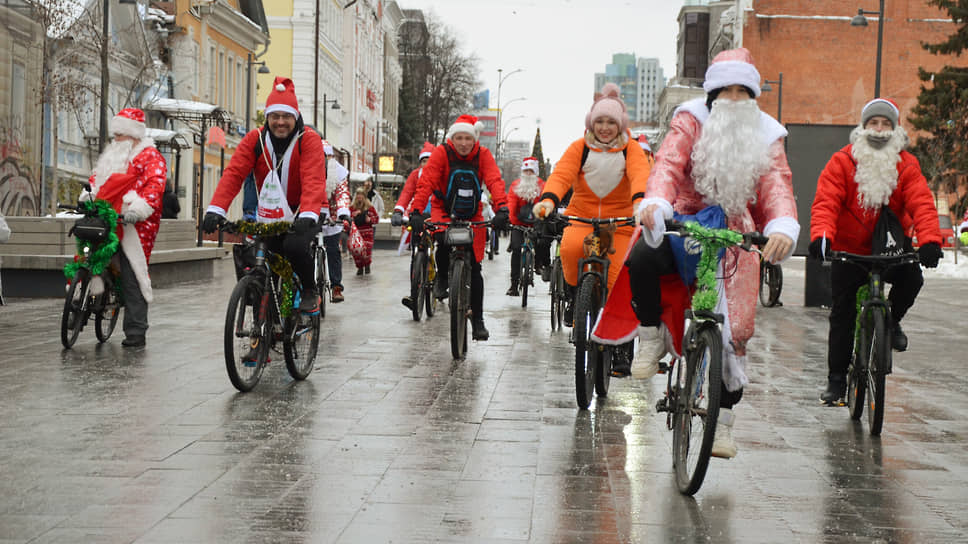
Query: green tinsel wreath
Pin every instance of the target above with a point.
(100, 253)
(281, 267)
(711, 240)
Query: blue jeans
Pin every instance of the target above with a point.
(334, 259)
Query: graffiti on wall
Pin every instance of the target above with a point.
(19, 191)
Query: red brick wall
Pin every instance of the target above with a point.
(828, 66)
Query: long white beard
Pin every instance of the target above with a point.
(876, 174)
(730, 155)
(113, 160)
(527, 188)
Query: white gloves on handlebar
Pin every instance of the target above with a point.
(543, 209)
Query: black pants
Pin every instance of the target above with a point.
(442, 258)
(845, 279)
(542, 254)
(295, 248)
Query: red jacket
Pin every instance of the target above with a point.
(837, 214)
(435, 177)
(409, 188)
(516, 203)
(306, 185)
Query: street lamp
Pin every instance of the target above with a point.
(500, 111)
(500, 82)
(860, 20)
(263, 69)
(335, 107)
(779, 95)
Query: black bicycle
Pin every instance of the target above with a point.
(872, 359)
(263, 312)
(423, 273)
(526, 267)
(771, 283)
(556, 287)
(593, 361)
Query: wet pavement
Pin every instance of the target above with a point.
(390, 440)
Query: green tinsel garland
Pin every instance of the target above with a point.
(283, 268)
(711, 240)
(100, 255)
(251, 228)
(862, 292)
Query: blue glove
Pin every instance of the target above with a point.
(500, 220)
(211, 222)
(302, 225)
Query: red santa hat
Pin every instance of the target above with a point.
(880, 107)
(732, 67)
(609, 104)
(529, 163)
(644, 143)
(327, 147)
(467, 124)
(282, 97)
(129, 122)
(425, 151)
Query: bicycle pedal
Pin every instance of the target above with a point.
(663, 368)
(662, 405)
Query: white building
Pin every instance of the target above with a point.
(650, 83)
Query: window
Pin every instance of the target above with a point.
(220, 81)
(211, 73)
(239, 88)
(18, 96)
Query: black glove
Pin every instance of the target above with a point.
(416, 221)
(500, 220)
(344, 218)
(302, 225)
(815, 248)
(396, 219)
(929, 254)
(211, 222)
(360, 220)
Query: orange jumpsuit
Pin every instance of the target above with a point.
(602, 194)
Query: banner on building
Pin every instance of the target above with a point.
(490, 125)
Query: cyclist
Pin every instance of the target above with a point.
(283, 153)
(403, 202)
(606, 172)
(454, 175)
(130, 173)
(723, 161)
(522, 196)
(870, 172)
(339, 206)
(644, 142)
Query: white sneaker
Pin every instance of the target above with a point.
(723, 445)
(651, 350)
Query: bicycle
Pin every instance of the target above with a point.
(96, 245)
(423, 272)
(871, 360)
(262, 311)
(321, 271)
(526, 268)
(771, 283)
(492, 242)
(459, 239)
(593, 361)
(695, 378)
(559, 295)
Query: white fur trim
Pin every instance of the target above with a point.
(87, 195)
(342, 211)
(313, 215)
(732, 72)
(786, 226)
(215, 209)
(285, 108)
(423, 155)
(132, 202)
(611, 341)
(603, 171)
(328, 149)
(126, 127)
(530, 165)
(474, 130)
(131, 245)
(963, 227)
(400, 209)
(97, 285)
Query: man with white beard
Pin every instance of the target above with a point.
(522, 195)
(131, 174)
(871, 172)
(723, 162)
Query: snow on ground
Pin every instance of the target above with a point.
(947, 267)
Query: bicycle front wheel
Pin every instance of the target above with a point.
(697, 410)
(557, 295)
(771, 284)
(300, 344)
(77, 307)
(857, 372)
(879, 358)
(427, 287)
(586, 352)
(247, 333)
(458, 309)
(322, 279)
(527, 275)
(418, 274)
(107, 319)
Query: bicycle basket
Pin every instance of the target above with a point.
(458, 236)
(90, 229)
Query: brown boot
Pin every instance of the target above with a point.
(337, 294)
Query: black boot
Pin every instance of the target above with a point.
(899, 340)
(513, 290)
(479, 331)
(836, 390)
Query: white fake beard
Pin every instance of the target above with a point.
(876, 174)
(527, 188)
(730, 155)
(113, 160)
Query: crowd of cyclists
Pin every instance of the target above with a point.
(722, 163)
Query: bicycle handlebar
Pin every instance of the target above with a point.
(620, 221)
(83, 211)
(688, 228)
(886, 261)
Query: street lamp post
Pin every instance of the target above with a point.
(779, 95)
(500, 110)
(860, 20)
(335, 107)
(500, 124)
(263, 69)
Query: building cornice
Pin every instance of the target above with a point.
(232, 23)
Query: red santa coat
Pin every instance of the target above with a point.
(409, 189)
(305, 182)
(435, 176)
(516, 203)
(150, 172)
(837, 214)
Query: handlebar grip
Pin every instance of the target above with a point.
(758, 239)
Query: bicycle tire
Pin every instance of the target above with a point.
(458, 310)
(771, 284)
(300, 344)
(703, 379)
(527, 266)
(856, 371)
(430, 302)
(879, 354)
(418, 271)
(586, 311)
(603, 370)
(76, 307)
(106, 320)
(247, 332)
(557, 295)
(322, 278)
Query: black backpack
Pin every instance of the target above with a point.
(463, 195)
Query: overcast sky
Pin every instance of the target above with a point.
(560, 45)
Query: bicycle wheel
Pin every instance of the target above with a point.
(879, 353)
(458, 309)
(322, 278)
(77, 307)
(527, 275)
(771, 283)
(694, 425)
(603, 370)
(856, 372)
(557, 295)
(430, 276)
(491, 243)
(247, 332)
(300, 344)
(107, 319)
(586, 352)
(418, 274)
